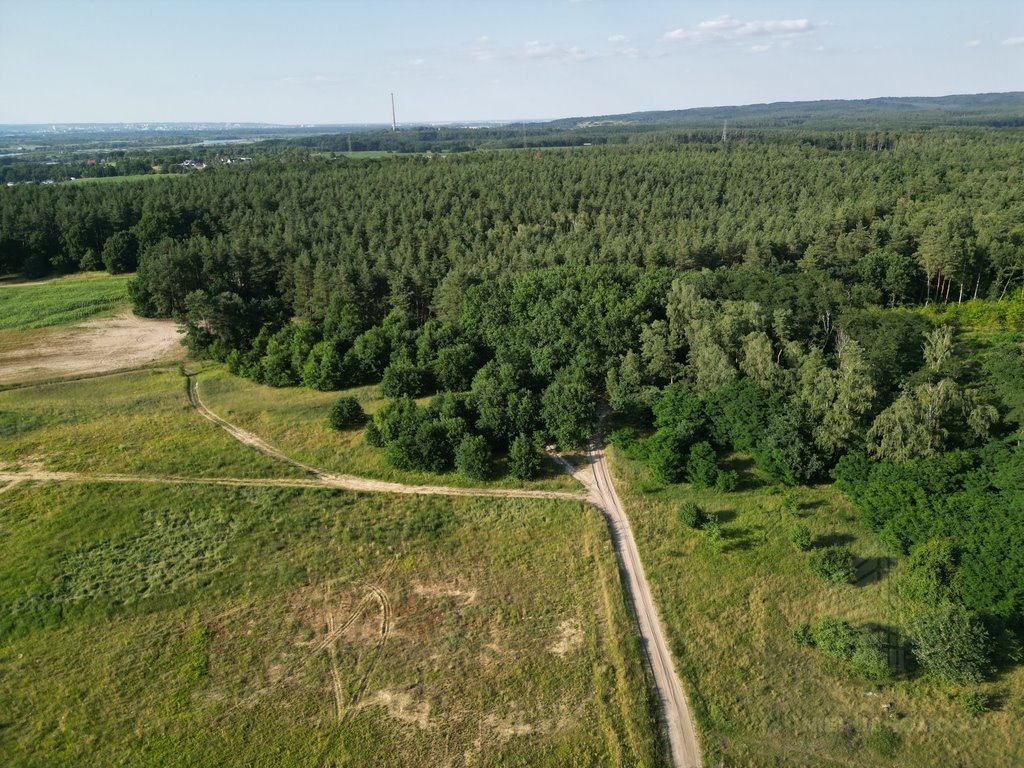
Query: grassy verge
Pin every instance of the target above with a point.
(138, 422)
(190, 625)
(295, 421)
(61, 301)
(762, 700)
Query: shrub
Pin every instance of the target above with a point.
(373, 436)
(346, 413)
(665, 456)
(859, 648)
(691, 515)
(524, 458)
(882, 740)
(473, 457)
(726, 481)
(949, 643)
(712, 528)
(701, 469)
(835, 637)
(800, 537)
(834, 564)
(404, 380)
(802, 634)
(974, 702)
(868, 659)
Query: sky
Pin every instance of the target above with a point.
(320, 62)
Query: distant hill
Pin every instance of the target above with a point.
(992, 109)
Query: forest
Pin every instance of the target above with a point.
(838, 306)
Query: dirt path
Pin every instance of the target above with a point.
(678, 721)
(685, 752)
(353, 483)
(595, 477)
(95, 346)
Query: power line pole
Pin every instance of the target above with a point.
(394, 125)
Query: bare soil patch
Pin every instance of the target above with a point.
(570, 637)
(95, 346)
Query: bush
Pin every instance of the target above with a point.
(346, 413)
(404, 380)
(883, 741)
(524, 458)
(949, 643)
(701, 469)
(834, 564)
(835, 637)
(373, 436)
(859, 648)
(868, 659)
(802, 635)
(800, 537)
(712, 528)
(691, 515)
(974, 702)
(473, 457)
(665, 456)
(726, 481)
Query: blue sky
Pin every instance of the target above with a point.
(310, 61)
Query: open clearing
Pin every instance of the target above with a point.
(261, 621)
(75, 326)
(94, 346)
(185, 625)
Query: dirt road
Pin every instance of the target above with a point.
(678, 721)
(594, 476)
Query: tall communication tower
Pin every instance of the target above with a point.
(725, 134)
(394, 125)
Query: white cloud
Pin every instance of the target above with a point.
(972, 43)
(535, 49)
(730, 28)
(1013, 41)
(618, 39)
(318, 79)
(759, 48)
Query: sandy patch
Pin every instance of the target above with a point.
(95, 346)
(401, 707)
(570, 637)
(467, 596)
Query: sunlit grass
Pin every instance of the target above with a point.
(730, 607)
(61, 301)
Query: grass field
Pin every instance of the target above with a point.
(61, 301)
(295, 420)
(131, 423)
(189, 625)
(761, 700)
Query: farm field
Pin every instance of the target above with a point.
(295, 421)
(730, 608)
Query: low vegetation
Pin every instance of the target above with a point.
(60, 302)
(184, 625)
(295, 420)
(786, 669)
